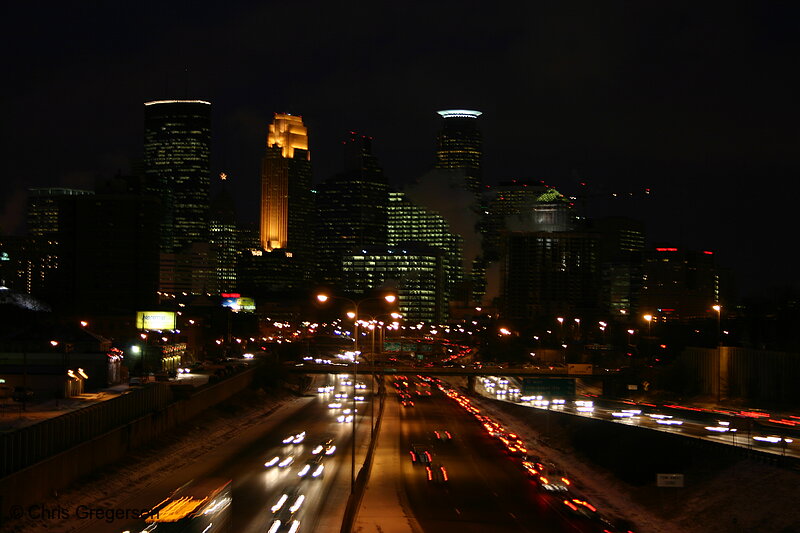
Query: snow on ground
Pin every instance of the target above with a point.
(169, 454)
(738, 496)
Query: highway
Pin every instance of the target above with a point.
(486, 490)
(256, 488)
(746, 429)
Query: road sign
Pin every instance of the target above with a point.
(669, 480)
(548, 387)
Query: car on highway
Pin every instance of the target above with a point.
(420, 455)
(284, 512)
(313, 468)
(325, 447)
(442, 435)
(437, 473)
(296, 438)
(279, 461)
(581, 508)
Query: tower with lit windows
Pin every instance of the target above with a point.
(177, 155)
(409, 223)
(459, 145)
(223, 236)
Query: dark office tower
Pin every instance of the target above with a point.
(459, 145)
(287, 204)
(177, 149)
(223, 236)
(679, 284)
(621, 260)
(50, 219)
(550, 274)
(115, 243)
(45, 207)
(506, 203)
(351, 207)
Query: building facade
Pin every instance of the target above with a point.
(679, 284)
(410, 224)
(549, 274)
(415, 271)
(351, 208)
(287, 203)
(459, 145)
(177, 156)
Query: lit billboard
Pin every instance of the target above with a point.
(238, 304)
(155, 320)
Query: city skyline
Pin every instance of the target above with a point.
(692, 102)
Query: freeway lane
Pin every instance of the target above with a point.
(256, 488)
(686, 421)
(486, 490)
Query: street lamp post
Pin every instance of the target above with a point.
(718, 308)
(322, 298)
(649, 320)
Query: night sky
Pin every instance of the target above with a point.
(697, 101)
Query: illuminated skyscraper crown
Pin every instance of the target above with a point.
(288, 132)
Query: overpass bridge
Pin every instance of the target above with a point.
(610, 381)
(367, 368)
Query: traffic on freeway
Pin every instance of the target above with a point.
(464, 472)
(295, 478)
(751, 429)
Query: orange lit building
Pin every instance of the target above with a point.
(287, 205)
(285, 181)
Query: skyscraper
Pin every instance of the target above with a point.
(410, 224)
(547, 274)
(287, 204)
(177, 150)
(223, 236)
(459, 145)
(351, 208)
(414, 271)
(506, 202)
(286, 185)
(50, 218)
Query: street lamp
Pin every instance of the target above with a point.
(560, 328)
(648, 319)
(322, 298)
(718, 309)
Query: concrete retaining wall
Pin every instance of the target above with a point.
(42, 480)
